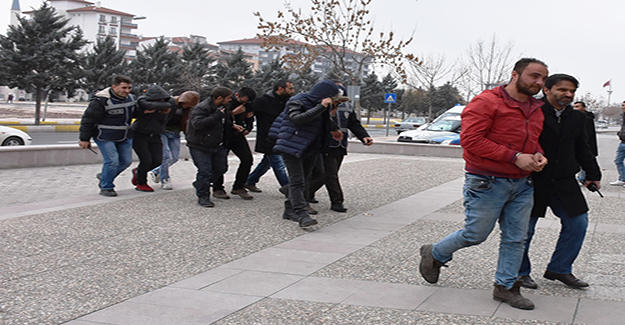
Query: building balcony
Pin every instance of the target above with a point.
(127, 35)
(129, 24)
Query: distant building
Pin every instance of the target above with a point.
(254, 46)
(97, 22)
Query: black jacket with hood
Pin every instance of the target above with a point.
(205, 130)
(158, 99)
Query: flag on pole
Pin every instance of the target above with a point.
(607, 83)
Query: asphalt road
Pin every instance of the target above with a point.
(72, 137)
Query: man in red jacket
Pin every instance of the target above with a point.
(500, 131)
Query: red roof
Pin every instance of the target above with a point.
(79, 1)
(102, 10)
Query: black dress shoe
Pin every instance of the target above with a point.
(313, 200)
(338, 207)
(526, 281)
(568, 279)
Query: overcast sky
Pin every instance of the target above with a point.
(578, 37)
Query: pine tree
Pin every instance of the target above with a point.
(156, 64)
(372, 94)
(102, 63)
(236, 72)
(267, 75)
(42, 55)
(305, 80)
(198, 72)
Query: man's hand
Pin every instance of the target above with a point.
(240, 109)
(326, 102)
(237, 127)
(337, 135)
(531, 163)
(84, 144)
(333, 111)
(598, 183)
(165, 111)
(367, 141)
(149, 111)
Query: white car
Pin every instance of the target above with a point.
(447, 124)
(13, 137)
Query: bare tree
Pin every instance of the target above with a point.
(433, 70)
(487, 64)
(337, 30)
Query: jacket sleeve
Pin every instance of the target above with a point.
(90, 119)
(477, 120)
(298, 115)
(356, 127)
(148, 105)
(203, 118)
(584, 155)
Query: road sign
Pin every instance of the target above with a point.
(390, 98)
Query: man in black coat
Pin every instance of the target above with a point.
(266, 108)
(565, 144)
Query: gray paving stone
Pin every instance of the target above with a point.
(275, 265)
(254, 283)
(205, 279)
(390, 295)
(600, 312)
(173, 306)
(316, 246)
(458, 301)
(298, 255)
(321, 290)
(547, 308)
(345, 235)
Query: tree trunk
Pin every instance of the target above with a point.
(38, 93)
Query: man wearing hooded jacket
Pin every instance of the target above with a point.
(151, 119)
(301, 132)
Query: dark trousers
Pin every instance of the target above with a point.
(208, 164)
(330, 177)
(241, 149)
(149, 149)
(298, 170)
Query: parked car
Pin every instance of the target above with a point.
(411, 123)
(447, 124)
(601, 125)
(13, 137)
(452, 139)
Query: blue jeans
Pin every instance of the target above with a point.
(618, 160)
(117, 157)
(171, 153)
(209, 165)
(274, 162)
(569, 242)
(488, 200)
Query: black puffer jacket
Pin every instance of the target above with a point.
(206, 126)
(159, 100)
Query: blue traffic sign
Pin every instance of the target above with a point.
(390, 98)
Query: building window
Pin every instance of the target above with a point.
(114, 19)
(113, 31)
(101, 30)
(102, 18)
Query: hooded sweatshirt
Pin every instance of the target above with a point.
(155, 98)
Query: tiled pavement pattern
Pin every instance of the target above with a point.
(161, 259)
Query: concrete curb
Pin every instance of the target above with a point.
(71, 154)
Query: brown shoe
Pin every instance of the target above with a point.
(429, 267)
(568, 279)
(242, 193)
(220, 194)
(512, 296)
(252, 188)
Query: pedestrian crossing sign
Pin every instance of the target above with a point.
(390, 98)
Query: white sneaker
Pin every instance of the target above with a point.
(156, 178)
(166, 185)
(617, 183)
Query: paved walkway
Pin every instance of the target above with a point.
(77, 258)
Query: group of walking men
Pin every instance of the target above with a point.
(294, 134)
(521, 156)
